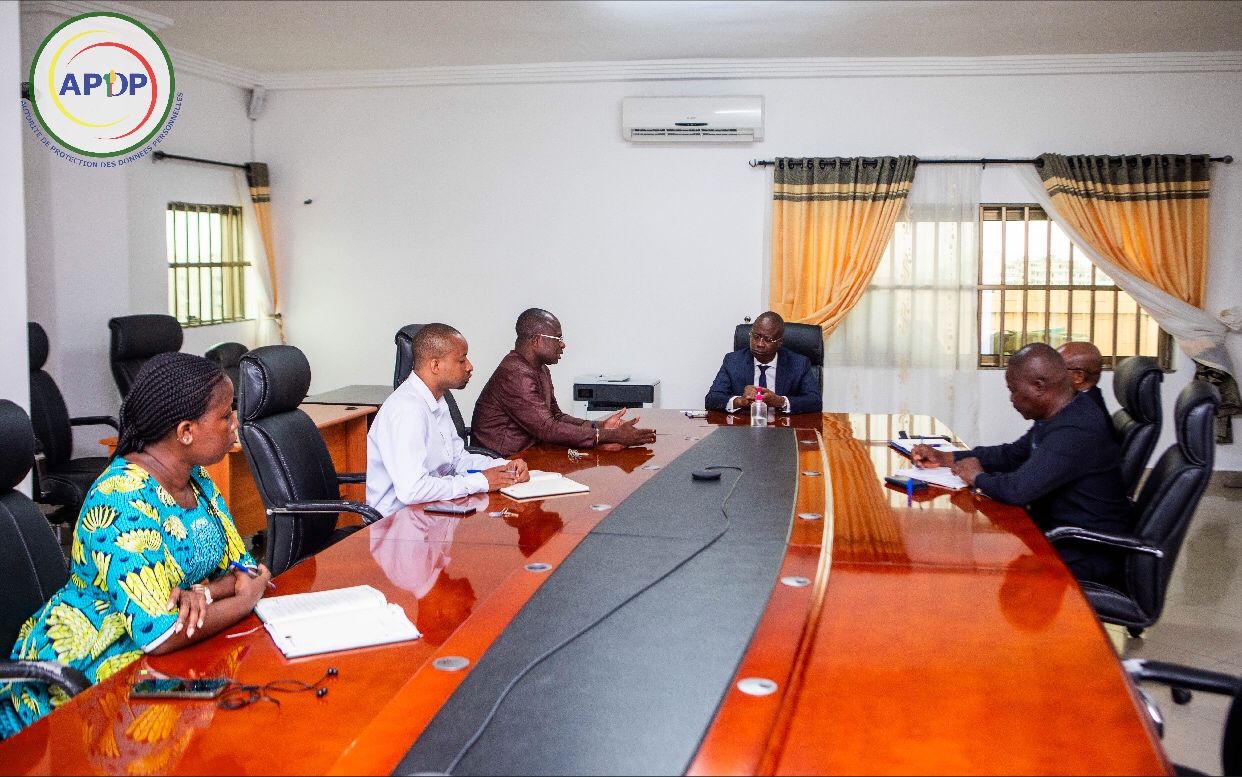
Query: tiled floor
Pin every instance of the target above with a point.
(1201, 626)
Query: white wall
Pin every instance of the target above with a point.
(14, 380)
(467, 204)
(95, 237)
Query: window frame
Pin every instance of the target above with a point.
(1000, 360)
(225, 251)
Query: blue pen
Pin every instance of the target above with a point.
(909, 492)
(252, 571)
(473, 471)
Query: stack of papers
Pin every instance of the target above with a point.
(339, 619)
(544, 484)
(906, 444)
(936, 476)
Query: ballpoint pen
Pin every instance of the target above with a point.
(252, 571)
(909, 492)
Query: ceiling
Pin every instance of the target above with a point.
(284, 36)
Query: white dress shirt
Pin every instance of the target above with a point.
(415, 455)
(771, 381)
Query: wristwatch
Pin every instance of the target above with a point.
(204, 590)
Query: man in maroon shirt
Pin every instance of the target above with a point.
(518, 407)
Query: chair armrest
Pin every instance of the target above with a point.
(369, 514)
(1180, 676)
(479, 449)
(351, 477)
(1115, 540)
(95, 420)
(65, 677)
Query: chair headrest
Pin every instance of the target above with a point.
(804, 339)
(273, 379)
(226, 354)
(144, 335)
(1131, 380)
(17, 445)
(407, 333)
(38, 345)
(1195, 419)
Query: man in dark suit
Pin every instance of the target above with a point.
(1085, 365)
(782, 377)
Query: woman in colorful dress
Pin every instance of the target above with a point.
(155, 555)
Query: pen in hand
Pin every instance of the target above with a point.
(252, 571)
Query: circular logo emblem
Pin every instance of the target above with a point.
(101, 84)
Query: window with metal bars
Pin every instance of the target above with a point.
(1035, 286)
(206, 266)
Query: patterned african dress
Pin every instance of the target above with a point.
(133, 543)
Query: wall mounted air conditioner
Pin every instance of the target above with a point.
(692, 119)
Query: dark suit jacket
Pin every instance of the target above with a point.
(793, 379)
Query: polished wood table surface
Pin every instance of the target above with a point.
(939, 637)
(344, 429)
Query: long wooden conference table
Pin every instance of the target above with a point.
(938, 637)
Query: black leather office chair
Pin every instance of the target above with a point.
(1183, 679)
(228, 356)
(405, 365)
(34, 567)
(59, 478)
(289, 459)
(1164, 508)
(804, 339)
(1136, 384)
(136, 339)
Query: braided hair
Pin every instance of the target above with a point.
(170, 388)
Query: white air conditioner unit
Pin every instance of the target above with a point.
(692, 119)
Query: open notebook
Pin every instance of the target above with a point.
(339, 619)
(544, 484)
(936, 476)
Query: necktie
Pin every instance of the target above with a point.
(763, 375)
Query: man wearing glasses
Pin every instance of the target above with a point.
(782, 377)
(1085, 364)
(518, 407)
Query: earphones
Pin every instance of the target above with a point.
(322, 691)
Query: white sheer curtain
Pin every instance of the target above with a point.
(1213, 340)
(268, 332)
(908, 346)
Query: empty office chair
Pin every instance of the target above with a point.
(804, 339)
(1183, 679)
(1136, 383)
(294, 473)
(34, 567)
(405, 365)
(136, 339)
(1164, 508)
(59, 478)
(228, 356)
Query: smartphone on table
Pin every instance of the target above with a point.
(900, 482)
(448, 508)
(179, 688)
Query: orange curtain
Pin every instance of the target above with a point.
(1147, 214)
(261, 196)
(831, 221)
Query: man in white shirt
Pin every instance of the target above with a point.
(414, 453)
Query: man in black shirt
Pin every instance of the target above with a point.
(1065, 470)
(1084, 363)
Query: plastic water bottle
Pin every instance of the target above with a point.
(759, 411)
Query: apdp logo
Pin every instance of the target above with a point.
(101, 84)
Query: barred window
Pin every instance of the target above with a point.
(1035, 286)
(206, 266)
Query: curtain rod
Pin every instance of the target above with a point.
(158, 155)
(1227, 159)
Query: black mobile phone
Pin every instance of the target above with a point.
(900, 482)
(179, 688)
(449, 509)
